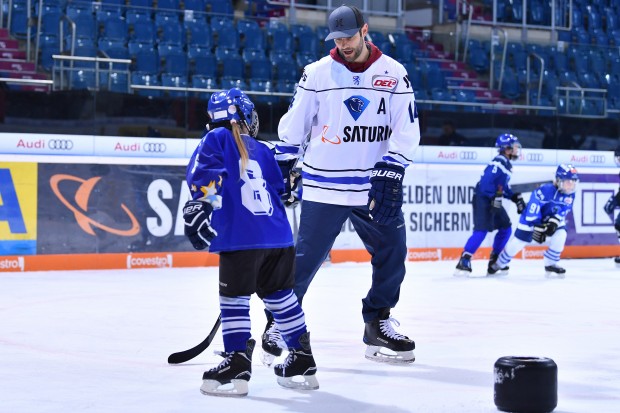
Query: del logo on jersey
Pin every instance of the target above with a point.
(384, 82)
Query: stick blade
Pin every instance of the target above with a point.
(186, 355)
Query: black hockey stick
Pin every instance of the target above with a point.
(183, 356)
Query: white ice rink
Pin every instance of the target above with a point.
(98, 341)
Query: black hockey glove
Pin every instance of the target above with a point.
(197, 216)
(291, 181)
(552, 226)
(519, 202)
(612, 203)
(539, 234)
(385, 197)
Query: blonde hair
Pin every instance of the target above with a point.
(243, 150)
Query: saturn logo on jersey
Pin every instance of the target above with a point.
(335, 140)
(384, 82)
(356, 105)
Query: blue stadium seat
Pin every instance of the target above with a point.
(116, 82)
(403, 50)
(146, 79)
(134, 47)
(287, 71)
(510, 85)
(286, 86)
(253, 39)
(233, 67)
(252, 54)
(195, 5)
(263, 86)
(113, 48)
(172, 80)
(50, 18)
(204, 82)
(83, 79)
(222, 52)
(175, 63)
(229, 83)
(168, 5)
(132, 16)
(220, 7)
(115, 29)
(259, 69)
(147, 61)
(204, 65)
(144, 32)
(49, 45)
(304, 59)
(228, 38)
(306, 43)
(140, 3)
(172, 34)
(198, 33)
(105, 14)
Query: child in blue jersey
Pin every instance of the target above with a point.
(614, 202)
(489, 214)
(236, 211)
(544, 221)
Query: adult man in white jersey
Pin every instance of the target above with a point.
(354, 121)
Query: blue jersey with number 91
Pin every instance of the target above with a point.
(252, 215)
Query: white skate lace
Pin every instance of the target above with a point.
(227, 358)
(388, 330)
(273, 334)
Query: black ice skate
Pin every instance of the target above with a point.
(617, 261)
(494, 269)
(554, 271)
(272, 342)
(463, 267)
(231, 377)
(384, 343)
(299, 369)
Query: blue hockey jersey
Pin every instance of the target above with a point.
(496, 178)
(546, 202)
(252, 215)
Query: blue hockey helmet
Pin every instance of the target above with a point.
(566, 178)
(233, 104)
(508, 141)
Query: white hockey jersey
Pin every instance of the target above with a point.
(341, 123)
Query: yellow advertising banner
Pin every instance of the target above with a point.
(18, 208)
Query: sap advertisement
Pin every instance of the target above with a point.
(51, 206)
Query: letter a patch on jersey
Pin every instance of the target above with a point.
(356, 105)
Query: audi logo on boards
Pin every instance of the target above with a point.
(154, 147)
(60, 144)
(534, 157)
(597, 158)
(468, 155)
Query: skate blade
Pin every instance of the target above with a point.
(236, 388)
(384, 355)
(500, 273)
(267, 358)
(299, 382)
(461, 273)
(554, 275)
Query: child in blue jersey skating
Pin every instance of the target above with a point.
(489, 214)
(236, 211)
(544, 222)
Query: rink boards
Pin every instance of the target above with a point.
(115, 203)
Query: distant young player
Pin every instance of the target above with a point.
(489, 213)
(236, 211)
(614, 202)
(544, 222)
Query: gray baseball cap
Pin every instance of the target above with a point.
(345, 21)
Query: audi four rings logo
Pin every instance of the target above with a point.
(534, 157)
(60, 144)
(154, 147)
(468, 155)
(597, 158)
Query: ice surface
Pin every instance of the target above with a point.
(98, 341)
